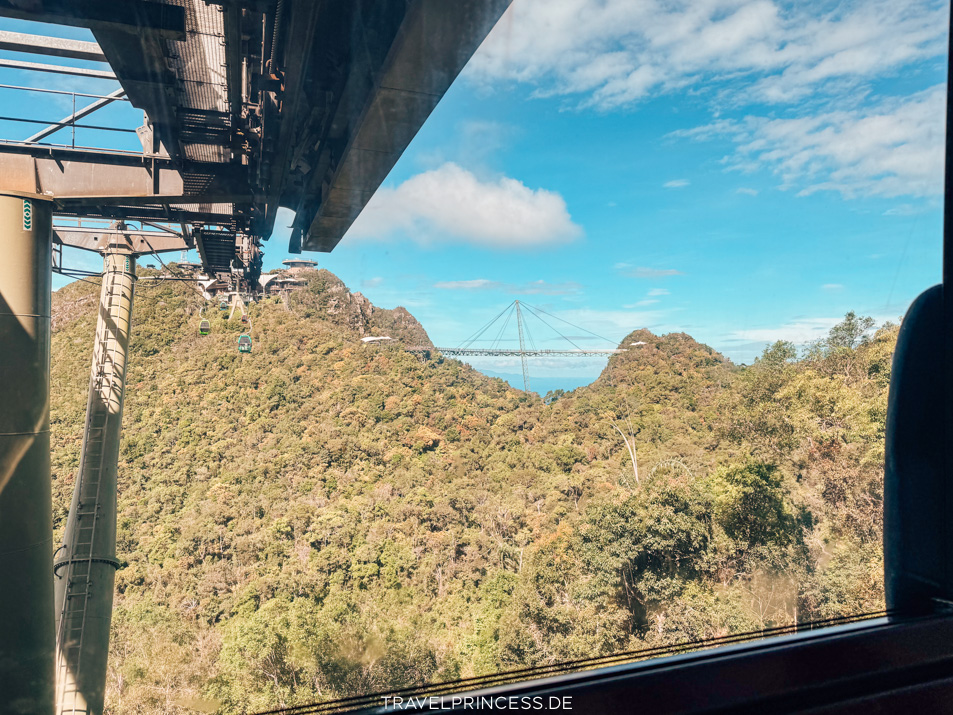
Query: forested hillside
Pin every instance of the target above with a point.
(322, 517)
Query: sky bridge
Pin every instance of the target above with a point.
(516, 314)
(504, 352)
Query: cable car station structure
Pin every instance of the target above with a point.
(248, 105)
(252, 105)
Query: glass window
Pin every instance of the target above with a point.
(599, 373)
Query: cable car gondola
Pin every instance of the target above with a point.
(244, 343)
(204, 327)
(223, 305)
(244, 319)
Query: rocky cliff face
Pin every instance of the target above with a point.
(327, 294)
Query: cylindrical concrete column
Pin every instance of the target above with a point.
(26, 526)
(85, 565)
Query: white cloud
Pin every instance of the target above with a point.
(372, 282)
(451, 205)
(609, 53)
(893, 148)
(832, 287)
(481, 137)
(676, 183)
(652, 297)
(747, 191)
(475, 284)
(631, 271)
(797, 331)
(539, 287)
(544, 288)
(910, 209)
(612, 324)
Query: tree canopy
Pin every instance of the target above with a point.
(323, 517)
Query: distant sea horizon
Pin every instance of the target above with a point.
(542, 384)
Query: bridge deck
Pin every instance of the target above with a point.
(489, 352)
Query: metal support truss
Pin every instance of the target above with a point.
(77, 114)
(132, 17)
(51, 46)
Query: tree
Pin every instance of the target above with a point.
(778, 354)
(850, 333)
(750, 505)
(553, 395)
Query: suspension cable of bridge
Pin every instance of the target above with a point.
(526, 345)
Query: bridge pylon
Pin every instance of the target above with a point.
(519, 330)
(26, 524)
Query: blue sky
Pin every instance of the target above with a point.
(743, 171)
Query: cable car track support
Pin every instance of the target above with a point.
(85, 566)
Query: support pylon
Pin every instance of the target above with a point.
(85, 565)
(26, 523)
(519, 329)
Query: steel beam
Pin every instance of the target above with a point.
(119, 183)
(91, 155)
(26, 527)
(51, 46)
(133, 17)
(62, 179)
(386, 102)
(57, 69)
(124, 185)
(232, 22)
(84, 569)
(142, 63)
(195, 213)
(135, 242)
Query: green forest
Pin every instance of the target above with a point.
(322, 517)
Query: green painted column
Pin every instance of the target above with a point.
(85, 565)
(26, 525)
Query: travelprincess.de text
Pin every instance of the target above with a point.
(462, 702)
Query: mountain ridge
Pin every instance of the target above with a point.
(323, 517)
